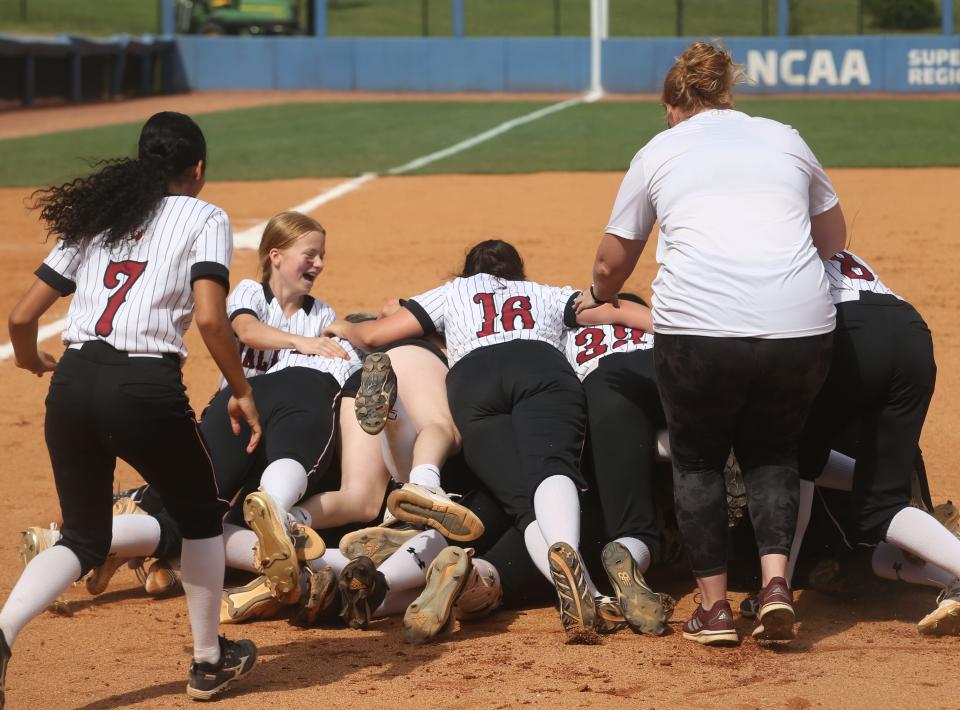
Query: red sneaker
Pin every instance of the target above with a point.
(712, 627)
(776, 616)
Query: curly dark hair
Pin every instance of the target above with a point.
(495, 257)
(124, 193)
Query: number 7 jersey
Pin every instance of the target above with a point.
(486, 310)
(138, 295)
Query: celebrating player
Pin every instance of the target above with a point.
(140, 253)
(742, 316)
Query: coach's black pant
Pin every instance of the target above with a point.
(624, 414)
(521, 412)
(748, 394)
(103, 405)
(298, 413)
(883, 372)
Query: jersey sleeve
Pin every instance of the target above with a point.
(633, 213)
(822, 195)
(212, 250)
(428, 308)
(565, 298)
(247, 298)
(59, 269)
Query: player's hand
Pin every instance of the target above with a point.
(245, 408)
(44, 363)
(338, 329)
(585, 301)
(320, 346)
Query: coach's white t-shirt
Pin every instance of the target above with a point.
(849, 275)
(486, 310)
(256, 299)
(138, 295)
(734, 195)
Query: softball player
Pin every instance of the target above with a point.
(742, 315)
(140, 253)
(882, 373)
(516, 402)
(624, 415)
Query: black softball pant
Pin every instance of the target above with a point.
(298, 409)
(104, 405)
(751, 395)
(522, 414)
(624, 414)
(883, 373)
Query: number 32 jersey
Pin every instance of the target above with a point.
(587, 345)
(486, 310)
(138, 295)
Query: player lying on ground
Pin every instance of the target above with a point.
(132, 236)
(882, 374)
(518, 406)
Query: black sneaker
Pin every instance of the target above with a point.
(209, 679)
(5, 655)
(362, 590)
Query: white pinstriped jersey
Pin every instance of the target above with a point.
(588, 345)
(137, 296)
(848, 275)
(256, 299)
(485, 310)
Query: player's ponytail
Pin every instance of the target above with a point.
(124, 193)
(703, 77)
(494, 257)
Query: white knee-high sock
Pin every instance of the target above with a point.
(397, 602)
(557, 507)
(238, 547)
(48, 575)
(638, 551)
(285, 480)
(804, 509)
(890, 562)
(332, 558)
(135, 535)
(538, 549)
(201, 571)
(426, 474)
(921, 535)
(838, 472)
(407, 567)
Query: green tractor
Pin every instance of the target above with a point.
(235, 17)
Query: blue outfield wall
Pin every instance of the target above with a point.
(927, 63)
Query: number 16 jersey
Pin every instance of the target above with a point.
(486, 310)
(138, 295)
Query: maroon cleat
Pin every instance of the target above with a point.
(775, 616)
(713, 627)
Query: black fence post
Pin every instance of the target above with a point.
(679, 18)
(23, 10)
(556, 18)
(860, 17)
(765, 17)
(425, 17)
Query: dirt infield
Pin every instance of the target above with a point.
(406, 234)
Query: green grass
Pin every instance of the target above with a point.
(343, 139)
(657, 18)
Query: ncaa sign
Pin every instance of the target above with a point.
(802, 68)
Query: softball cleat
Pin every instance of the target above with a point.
(641, 606)
(251, 601)
(432, 507)
(578, 609)
(432, 613)
(377, 543)
(276, 547)
(377, 393)
(319, 597)
(362, 590)
(33, 541)
(945, 619)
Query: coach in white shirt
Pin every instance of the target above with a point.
(742, 315)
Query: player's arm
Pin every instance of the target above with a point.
(829, 231)
(23, 324)
(210, 296)
(373, 334)
(615, 261)
(260, 336)
(627, 314)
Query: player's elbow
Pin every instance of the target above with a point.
(19, 318)
(210, 323)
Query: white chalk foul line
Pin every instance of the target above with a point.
(250, 238)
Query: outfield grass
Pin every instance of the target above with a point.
(343, 139)
(656, 18)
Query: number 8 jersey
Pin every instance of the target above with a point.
(138, 296)
(486, 310)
